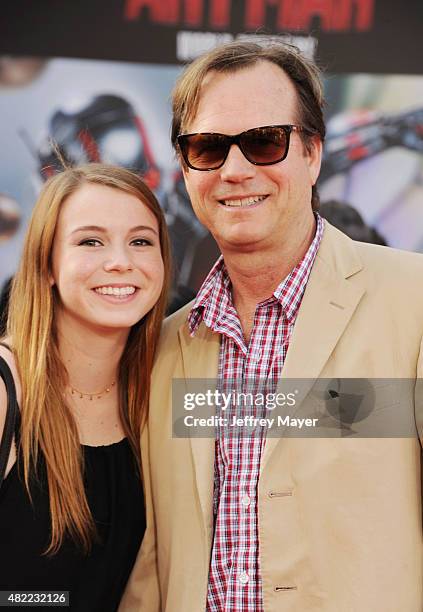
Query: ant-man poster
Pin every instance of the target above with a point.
(78, 96)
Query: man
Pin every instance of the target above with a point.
(254, 522)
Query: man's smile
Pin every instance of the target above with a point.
(243, 202)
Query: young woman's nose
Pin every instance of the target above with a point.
(118, 258)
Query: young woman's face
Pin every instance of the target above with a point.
(106, 259)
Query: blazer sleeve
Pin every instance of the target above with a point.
(142, 593)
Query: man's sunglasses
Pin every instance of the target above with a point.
(262, 146)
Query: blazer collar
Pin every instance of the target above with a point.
(200, 356)
(329, 302)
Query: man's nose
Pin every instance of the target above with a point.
(118, 258)
(237, 167)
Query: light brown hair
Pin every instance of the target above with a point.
(47, 424)
(303, 72)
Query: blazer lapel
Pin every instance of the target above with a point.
(200, 356)
(328, 304)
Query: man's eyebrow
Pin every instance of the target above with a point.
(98, 228)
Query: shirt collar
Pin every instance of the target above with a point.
(217, 282)
(215, 296)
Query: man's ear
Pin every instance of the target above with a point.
(314, 149)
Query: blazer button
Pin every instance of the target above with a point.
(273, 494)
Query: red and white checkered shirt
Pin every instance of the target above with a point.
(234, 576)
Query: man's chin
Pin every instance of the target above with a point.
(241, 242)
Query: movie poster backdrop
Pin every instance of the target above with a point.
(97, 80)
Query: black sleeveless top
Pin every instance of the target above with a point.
(95, 582)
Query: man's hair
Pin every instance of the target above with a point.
(303, 72)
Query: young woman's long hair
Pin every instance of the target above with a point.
(47, 423)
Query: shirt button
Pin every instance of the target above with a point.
(245, 501)
(243, 578)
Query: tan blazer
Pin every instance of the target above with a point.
(339, 519)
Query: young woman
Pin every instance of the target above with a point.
(85, 313)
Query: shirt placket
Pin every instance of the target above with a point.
(245, 576)
(227, 471)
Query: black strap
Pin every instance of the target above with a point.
(11, 417)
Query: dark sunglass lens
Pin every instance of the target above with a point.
(265, 145)
(205, 151)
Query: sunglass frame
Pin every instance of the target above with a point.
(237, 139)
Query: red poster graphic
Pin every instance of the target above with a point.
(291, 15)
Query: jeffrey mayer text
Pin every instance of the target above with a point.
(248, 421)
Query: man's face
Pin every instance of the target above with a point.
(230, 103)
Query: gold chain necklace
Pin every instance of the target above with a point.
(98, 395)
